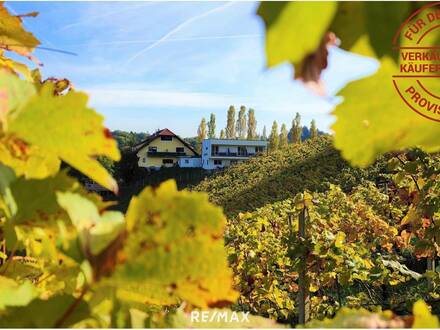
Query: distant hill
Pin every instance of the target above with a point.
(279, 175)
(128, 139)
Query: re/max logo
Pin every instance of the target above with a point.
(219, 316)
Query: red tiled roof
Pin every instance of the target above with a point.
(165, 132)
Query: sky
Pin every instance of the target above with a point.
(151, 65)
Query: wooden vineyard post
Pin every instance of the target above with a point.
(303, 293)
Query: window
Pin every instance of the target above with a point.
(166, 138)
(259, 149)
(242, 151)
(186, 161)
(217, 162)
(152, 149)
(167, 161)
(180, 149)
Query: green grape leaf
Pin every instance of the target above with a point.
(46, 313)
(70, 131)
(96, 231)
(14, 294)
(13, 93)
(7, 202)
(375, 21)
(423, 317)
(383, 122)
(36, 199)
(293, 29)
(13, 36)
(175, 241)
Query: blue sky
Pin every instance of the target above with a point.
(150, 65)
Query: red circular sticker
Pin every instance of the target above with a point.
(419, 61)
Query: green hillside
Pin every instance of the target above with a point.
(312, 165)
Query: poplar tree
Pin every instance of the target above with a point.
(296, 130)
(274, 138)
(230, 124)
(201, 134)
(252, 125)
(313, 129)
(222, 134)
(211, 126)
(264, 135)
(284, 140)
(241, 123)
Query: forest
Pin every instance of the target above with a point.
(339, 230)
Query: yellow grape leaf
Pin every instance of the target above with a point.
(293, 29)
(27, 160)
(13, 36)
(340, 239)
(373, 120)
(175, 241)
(96, 231)
(16, 67)
(423, 317)
(63, 126)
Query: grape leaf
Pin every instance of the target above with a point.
(45, 313)
(70, 130)
(13, 93)
(293, 29)
(7, 202)
(27, 160)
(175, 241)
(36, 199)
(13, 36)
(382, 123)
(15, 67)
(423, 317)
(375, 21)
(14, 294)
(96, 231)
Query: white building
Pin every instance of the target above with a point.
(219, 153)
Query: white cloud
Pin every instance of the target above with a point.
(138, 98)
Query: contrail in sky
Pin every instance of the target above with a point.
(176, 29)
(108, 14)
(143, 41)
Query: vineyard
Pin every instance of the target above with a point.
(312, 165)
(339, 231)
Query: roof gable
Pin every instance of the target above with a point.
(162, 132)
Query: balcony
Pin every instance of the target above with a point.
(232, 154)
(165, 154)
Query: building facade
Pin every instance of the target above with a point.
(220, 153)
(163, 149)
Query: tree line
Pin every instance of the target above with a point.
(294, 136)
(245, 128)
